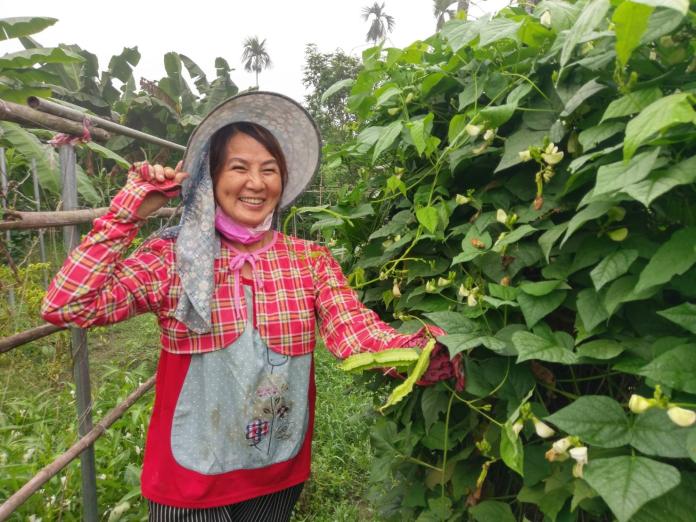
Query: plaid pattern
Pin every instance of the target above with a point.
(298, 283)
(256, 430)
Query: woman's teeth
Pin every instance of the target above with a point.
(252, 201)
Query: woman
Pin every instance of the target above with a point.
(237, 304)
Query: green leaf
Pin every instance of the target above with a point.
(590, 309)
(684, 315)
(656, 118)
(108, 154)
(540, 288)
(597, 419)
(456, 127)
(536, 308)
(23, 26)
(585, 92)
(590, 212)
(31, 57)
(511, 449)
(627, 483)
(459, 33)
(419, 129)
(590, 138)
(623, 290)
(662, 22)
(615, 176)
(427, 216)
(530, 346)
(499, 29)
(632, 103)
(614, 265)
(662, 181)
(456, 343)
(515, 143)
(630, 22)
(681, 6)
(590, 16)
(691, 444)
(600, 349)
(677, 505)
(387, 137)
(654, 434)
(672, 258)
(433, 402)
(452, 322)
(492, 511)
(333, 89)
(675, 368)
(513, 237)
(548, 238)
(496, 115)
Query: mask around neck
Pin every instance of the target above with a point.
(234, 231)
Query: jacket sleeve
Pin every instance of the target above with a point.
(96, 286)
(348, 326)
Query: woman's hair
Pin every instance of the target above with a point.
(219, 141)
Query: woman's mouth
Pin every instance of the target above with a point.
(252, 201)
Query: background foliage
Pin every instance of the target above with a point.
(527, 184)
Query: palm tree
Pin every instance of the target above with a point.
(442, 12)
(255, 56)
(381, 24)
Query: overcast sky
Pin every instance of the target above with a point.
(204, 29)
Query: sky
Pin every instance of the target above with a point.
(205, 29)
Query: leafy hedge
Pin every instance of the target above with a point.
(527, 184)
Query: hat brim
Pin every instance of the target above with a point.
(290, 123)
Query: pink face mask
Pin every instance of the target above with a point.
(240, 233)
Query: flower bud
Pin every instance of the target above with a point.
(443, 282)
(552, 155)
(393, 111)
(489, 135)
(681, 416)
(431, 287)
(463, 291)
(542, 429)
(477, 243)
(517, 426)
(525, 155)
(396, 291)
(554, 456)
(639, 404)
(545, 19)
(471, 299)
(501, 216)
(462, 200)
(561, 445)
(580, 457)
(473, 130)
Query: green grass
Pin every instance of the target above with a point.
(37, 423)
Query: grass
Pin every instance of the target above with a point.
(37, 423)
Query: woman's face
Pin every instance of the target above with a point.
(248, 185)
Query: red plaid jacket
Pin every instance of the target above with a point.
(298, 283)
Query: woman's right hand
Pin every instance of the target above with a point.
(166, 178)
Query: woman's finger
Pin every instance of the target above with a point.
(180, 177)
(159, 172)
(169, 172)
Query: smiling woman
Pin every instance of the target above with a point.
(238, 305)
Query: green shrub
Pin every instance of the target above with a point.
(528, 185)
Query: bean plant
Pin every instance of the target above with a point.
(527, 184)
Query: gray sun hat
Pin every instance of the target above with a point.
(196, 240)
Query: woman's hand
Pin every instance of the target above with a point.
(167, 179)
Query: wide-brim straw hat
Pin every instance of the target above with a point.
(293, 127)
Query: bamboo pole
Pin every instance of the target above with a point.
(5, 201)
(62, 111)
(37, 199)
(51, 470)
(80, 357)
(27, 116)
(13, 341)
(20, 220)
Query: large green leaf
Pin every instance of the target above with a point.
(333, 89)
(530, 346)
(681, 6)
(661, 181)
(31, 57)
(585, 92)
(653, 433)
(499, 29)
(459, 342)
(597, 419)
(108, 154)
(590, 309)
(630, 22)
(23, 26)
(677, 505)
(536, 308)
(387, 138)
(612, 266)
(121, 65)
(591, 15)
(428, 217)
(674, 257)
(675, 368)
(600, 349)
(590, 212)
(656, 118)
(632, 103)
(492, 511)
(29, 146)
(615, 176)
(517, 142)
(511, 449)
(684, 315)
(626, 483)
(590, 138)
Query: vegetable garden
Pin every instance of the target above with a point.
(526, 183)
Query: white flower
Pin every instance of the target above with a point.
(431, 287)
(525, 155)
(473, 130)
(461, 199)
(639, 404)
(137, 450)
(579, 455)
(396, 291)
(471, 299)
(517, 426)
(489, 135)
(463, 291)
(63, 480)
(542, 429)
(561, 445)
(545, 19)
(27, 454)
(102, 476)
(681, 417)
(34, 518)
(442, 282)
(501, 216)
(552, 155)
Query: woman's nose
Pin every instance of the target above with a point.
(255, 179)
